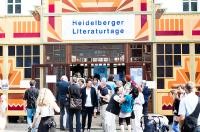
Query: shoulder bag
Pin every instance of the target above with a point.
(75, 103)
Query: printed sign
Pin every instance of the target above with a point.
(50, 78)
(136, 75)
(98, 26)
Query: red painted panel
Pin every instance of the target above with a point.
(26, 35)
(169, 33)
(51, 8)
(195, 32)
(13, 107)
(143, 6)
(52, 21)
(143, 20)
(2, 35)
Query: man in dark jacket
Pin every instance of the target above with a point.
(89, 102)
(146, 92)
(62, 87)
(31, 96)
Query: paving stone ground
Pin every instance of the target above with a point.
(22, 127)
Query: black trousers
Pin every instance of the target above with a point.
(145, 113)
(127, 119)
(87, 111)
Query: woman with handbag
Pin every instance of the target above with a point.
(45, 109)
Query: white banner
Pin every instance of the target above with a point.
(98, 26)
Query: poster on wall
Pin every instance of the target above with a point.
(50, 78)
(101, 71)
(136, 75)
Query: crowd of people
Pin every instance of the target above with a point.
(127, 101)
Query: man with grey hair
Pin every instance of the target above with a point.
(62, 87)
(188, 103)
(103, 93)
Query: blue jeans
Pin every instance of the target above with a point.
(78, 122)
(175, 127)
(30, 115)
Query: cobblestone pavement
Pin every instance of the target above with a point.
(22, 127)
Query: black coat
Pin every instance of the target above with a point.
(94, 99)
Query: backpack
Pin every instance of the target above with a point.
(32, 97)
(190, 122)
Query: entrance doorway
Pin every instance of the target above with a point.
(40, 72)
(89, 70)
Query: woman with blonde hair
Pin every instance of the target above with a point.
(45, 109)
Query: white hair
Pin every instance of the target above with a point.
(64, 78)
